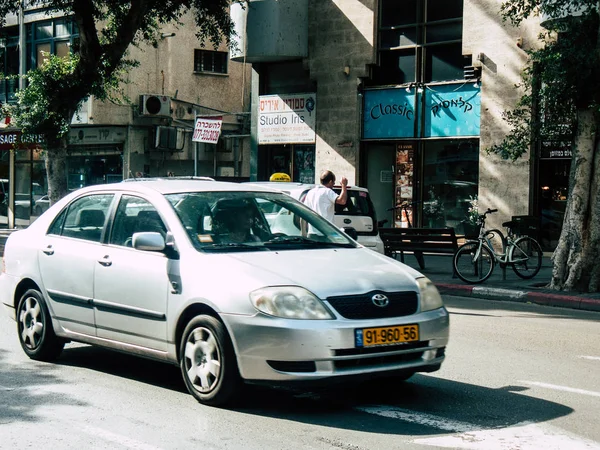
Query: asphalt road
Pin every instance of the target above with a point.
(516, 376)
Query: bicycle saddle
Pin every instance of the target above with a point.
(509, 224)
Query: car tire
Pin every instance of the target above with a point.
(208, 362)
(34, 325)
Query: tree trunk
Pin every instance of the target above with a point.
(576, 256)
(56, 169)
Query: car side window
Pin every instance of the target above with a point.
(84, 218)
(135, 215)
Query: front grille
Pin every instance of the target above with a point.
(378, 361)
(362, 307)
(382, 349)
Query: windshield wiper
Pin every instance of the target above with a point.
(231, 247)
(285, 240)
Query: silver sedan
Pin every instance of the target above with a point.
(196, 273)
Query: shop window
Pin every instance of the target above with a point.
(206, 61)
(450, 181)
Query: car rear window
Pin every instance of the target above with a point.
(357, 204)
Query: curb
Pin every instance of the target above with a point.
(513, 295)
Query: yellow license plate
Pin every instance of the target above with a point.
(369, 337)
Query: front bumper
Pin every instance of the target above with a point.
(8, 284)
(273, 349)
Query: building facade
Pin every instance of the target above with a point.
(407, 96)
(148, 134)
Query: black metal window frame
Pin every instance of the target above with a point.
(9, 64)
(422, 33)
(70, 36)
(210, 61)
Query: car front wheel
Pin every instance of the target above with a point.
(208, 362)
(34, 325)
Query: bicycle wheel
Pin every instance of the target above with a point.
(473, 270)
(526, 257)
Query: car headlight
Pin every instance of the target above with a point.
(289, 302)
(430, 297)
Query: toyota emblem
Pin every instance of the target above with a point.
(380, 300)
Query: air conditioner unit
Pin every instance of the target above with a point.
(154, 105)
(169, 138)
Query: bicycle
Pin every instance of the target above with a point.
(474, 261)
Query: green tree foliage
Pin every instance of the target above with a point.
(560, 78)
(562, 103)
(106, 30)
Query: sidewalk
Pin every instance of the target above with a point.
(439, 270)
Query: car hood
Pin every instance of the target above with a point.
(327, 272)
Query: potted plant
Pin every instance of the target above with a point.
(471, 223)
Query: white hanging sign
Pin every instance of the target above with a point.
(207, 129)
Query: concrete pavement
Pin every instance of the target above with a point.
(508, 287)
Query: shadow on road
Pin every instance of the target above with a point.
(135, 368)
(28, 388)
(340, 407)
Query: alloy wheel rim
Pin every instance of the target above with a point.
(31, 323)
(202, 360)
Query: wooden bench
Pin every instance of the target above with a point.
(418, 241)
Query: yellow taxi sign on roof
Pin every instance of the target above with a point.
(280, 176)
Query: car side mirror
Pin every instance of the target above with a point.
(351, 232)
(149, 241)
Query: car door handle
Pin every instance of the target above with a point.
(105, 261)
(48, 251)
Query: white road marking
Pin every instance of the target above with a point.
(4, 388)
(593, 358)
(557, 387)
(117, 438)
(524, 436)
(419, 418)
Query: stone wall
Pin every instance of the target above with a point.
(340, 46)
(502, 184)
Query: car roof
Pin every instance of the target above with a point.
(173, 185)
(291, 185)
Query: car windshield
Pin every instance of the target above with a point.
(253, 221)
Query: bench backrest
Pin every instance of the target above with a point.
(423, 239)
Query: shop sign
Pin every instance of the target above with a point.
(287, 119)
(97, 135)
(556, 150)
(10, 140)
(207, 129)
(452, 111)
(388, 114)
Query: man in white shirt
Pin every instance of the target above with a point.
(322, 198)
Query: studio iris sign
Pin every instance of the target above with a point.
(448, 110)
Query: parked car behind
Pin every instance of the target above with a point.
(357, 213)
(157, 268)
